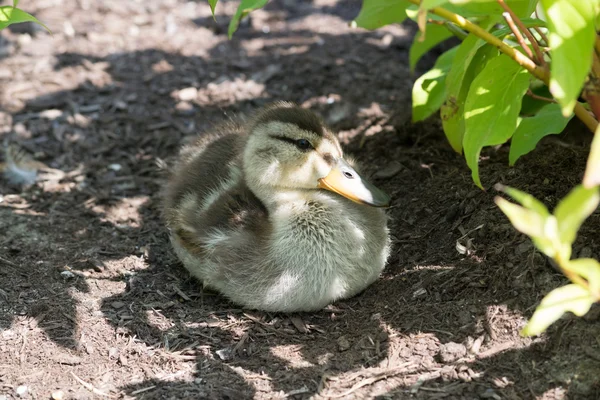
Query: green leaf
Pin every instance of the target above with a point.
(492, 108)
(522, 8)
(429, 4)
(479, 8)
(525, 199)
(571, 297)
(471, 57)
(434, 35)
(590, 270)
(548, 121)
(571, 36)
(525, 221)
(531, 223)
(541, 233)
(10, 15)
(452, 111)
(377, 13)
(244, 8)
(213, 5)
(592, 170)
(429, 90)
(570, 213)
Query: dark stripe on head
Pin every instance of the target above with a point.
(291, 114)
(328, 158)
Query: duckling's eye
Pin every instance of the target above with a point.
(303, 144)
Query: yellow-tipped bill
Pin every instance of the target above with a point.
(344, 180)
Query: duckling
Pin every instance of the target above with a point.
(273, 216)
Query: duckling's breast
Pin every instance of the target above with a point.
(330, 249)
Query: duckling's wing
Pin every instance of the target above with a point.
(201, 167)
(206, 197)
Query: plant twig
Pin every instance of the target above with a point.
(517, 33)
(435, 21)
(590, 93)
(542, 35)
(538, 53)
(90, 387)
(596, 65)
(520, 58)
(538, 97)
(596, 44)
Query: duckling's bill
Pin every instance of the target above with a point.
(345, 181)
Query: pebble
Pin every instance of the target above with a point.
(523, 248)
(224, 354)
(58, 395)
(187, 94)
(383, 336)
(67, 274)
(21, 390)
(586, 252)
(343, 343)
(117, 304)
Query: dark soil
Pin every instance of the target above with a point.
(93, 302)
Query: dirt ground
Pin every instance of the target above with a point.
(93, 303)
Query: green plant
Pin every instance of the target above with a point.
(553, 235)
(12, 15)
(518, 74)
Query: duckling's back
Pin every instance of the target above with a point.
(206, 194)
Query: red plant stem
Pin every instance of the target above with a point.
(538, 53)
(517, 34)
(538, 97)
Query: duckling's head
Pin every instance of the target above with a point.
(290, 149)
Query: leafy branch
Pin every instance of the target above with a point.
(520, 58)
(553, 235)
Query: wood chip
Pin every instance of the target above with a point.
(299, 324)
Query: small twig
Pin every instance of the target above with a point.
(239, 344)
(537, 97)
(542, 35)
(369, 381)
(8, 262)
(22, 357)
(180, 293)
(538, 53)
(90, 387)
(142, 390)
(435, 21)
(536, 47)
(516, 32)
(498, 348)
